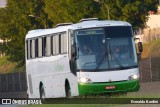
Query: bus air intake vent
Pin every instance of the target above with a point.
(63, 24)
(88, 19)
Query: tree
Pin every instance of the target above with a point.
(14, 26)
(37, 10)
(132, 11)
(62, 11)
(15, 23)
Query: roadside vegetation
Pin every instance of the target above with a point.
(7, 66)
(151, 49)
(20, 16)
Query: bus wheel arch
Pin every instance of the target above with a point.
(67, 89)
(41, 91)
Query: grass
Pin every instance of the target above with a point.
(151, 49)
(8, 67)
(72, 105)
(120, 97)
(95, 105)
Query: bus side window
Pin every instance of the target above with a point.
(28, 49)
(40, 47)
(33, 49)
(52, 45)
(59, 46)
(48, 46)
(30, 45)
(63, 43)
(44, 46)
(36, 47)
(55, 44)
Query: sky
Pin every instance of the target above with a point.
(2, 3)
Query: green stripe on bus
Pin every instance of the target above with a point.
(98, 88)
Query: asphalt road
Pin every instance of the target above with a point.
(147, 90)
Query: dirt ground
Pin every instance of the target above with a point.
(147, 90)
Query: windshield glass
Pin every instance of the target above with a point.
(105, 48)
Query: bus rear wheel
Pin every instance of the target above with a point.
(42, 93)
(68, 91)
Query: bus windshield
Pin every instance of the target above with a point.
(107, 48)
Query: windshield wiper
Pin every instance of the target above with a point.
(101, 61)
(103, 58)
(107, 50)
(106, 54)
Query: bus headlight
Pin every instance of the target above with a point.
(84, 80)
(133, 77)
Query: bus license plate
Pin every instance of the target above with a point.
(110, 87)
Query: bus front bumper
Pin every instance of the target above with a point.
(99, 88)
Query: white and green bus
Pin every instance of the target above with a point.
(57, 67)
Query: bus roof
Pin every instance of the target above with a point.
(81, 25)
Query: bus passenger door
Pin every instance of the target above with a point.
(71, 52)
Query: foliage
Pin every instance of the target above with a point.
(132, 11)
(62, 11)
(8, 67)
(14, 27)
(151, 49)
(15, 21)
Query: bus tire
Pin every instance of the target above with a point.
(67, 90)
(42, 93)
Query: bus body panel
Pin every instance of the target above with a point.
(108, 76)
(52, 73)
(108, 87)
(108, 81)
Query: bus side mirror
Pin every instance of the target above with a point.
(140, 47)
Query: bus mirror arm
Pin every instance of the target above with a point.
(140, 47)
(140, 50)
(139, 56)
